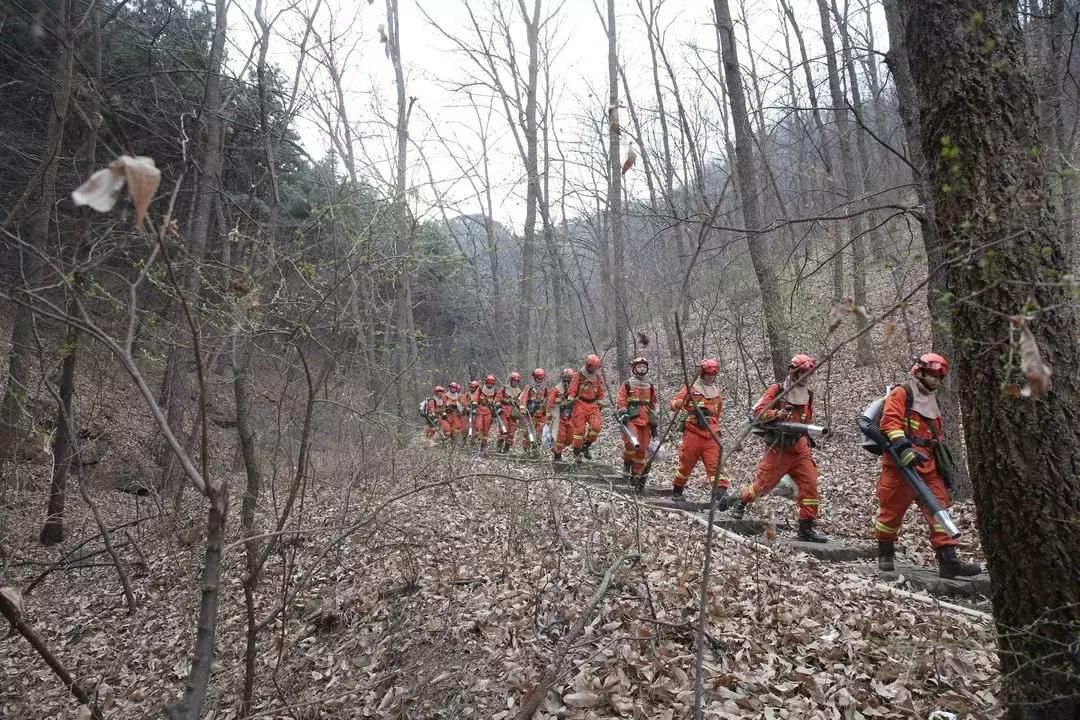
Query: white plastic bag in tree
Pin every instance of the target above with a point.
(102, 189)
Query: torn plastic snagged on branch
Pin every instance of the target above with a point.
(102, 189)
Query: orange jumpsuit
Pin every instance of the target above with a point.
(437, 408)
(780, 459)
(894, 493)
(455, 409)
(485, 403)
(697, 443)
(557, 394)
(586, 395)
(506, 401)
(535, 401)
(639, 403)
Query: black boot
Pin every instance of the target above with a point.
(639, 482)
(738, 509)
(677, 493)
(720, 498)
(950, 566)
(886, 556)
(628, 470)
(557, 457)
(808, 534)
(577, 455)
(585, 451)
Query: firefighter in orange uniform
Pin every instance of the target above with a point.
(636, 405)
(586, 391)
(506, 404)
(455, 410)
(482, 403)
(911, 420)
(698, 443)
(787, 454)
(559, 402)
(534, 400)
(436, 410)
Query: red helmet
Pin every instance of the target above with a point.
(539, 375)
(515, 377)
(567, 372)
(439, 389)
(474, 384)
(801, 365)
(489, 380)
(638, 361)
(932, 363)
(709, 366)
(592, 362)
(454, 387)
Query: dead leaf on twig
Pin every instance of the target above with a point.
(102, 189)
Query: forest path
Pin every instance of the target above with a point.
(853, 553)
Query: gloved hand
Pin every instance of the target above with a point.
(472, 406)
(912, 457)
(624, 418)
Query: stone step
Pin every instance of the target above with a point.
(836, 550)
(923, 578)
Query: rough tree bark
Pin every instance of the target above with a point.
(854, 190)
(772, 305)
(997, 221)
(532, 193)
(618, 248)
(826, 150)
(173, 392)
(52, 530)
(941, 334)
(403, 233)
(14, 420)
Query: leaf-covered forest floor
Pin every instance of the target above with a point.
(451, 600)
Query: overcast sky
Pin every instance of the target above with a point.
(444, 123)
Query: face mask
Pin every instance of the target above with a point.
(930, 382)
(708, 379)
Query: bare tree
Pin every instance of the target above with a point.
(757, 240)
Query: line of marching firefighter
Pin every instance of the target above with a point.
(904, 427)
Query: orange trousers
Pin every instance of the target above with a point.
(459, 425)
(511, 426)
(539, 420)
(695, 447)
(481, 424)
(895, 496)
(566, 433)
(443, 424)
(637, 458)
(586, 423)
(795, 461)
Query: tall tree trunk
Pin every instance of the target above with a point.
(14, 419)
(771, 303)
(681, 244)
(532, 193)
(853, 186)
(996, 217)
(826, 150)
(403, 231)
(865, 160)
(941, 335)
(52, 530)
(174, 393)
(618, 249)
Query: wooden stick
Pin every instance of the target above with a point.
(552, 672)
(10, 611)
